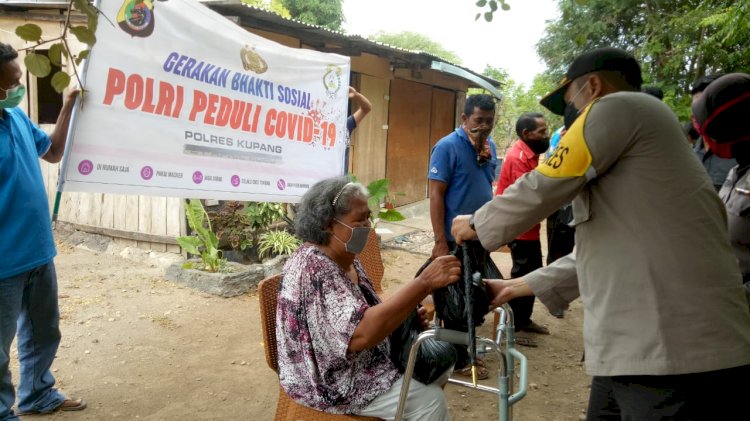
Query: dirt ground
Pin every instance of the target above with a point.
(138, 347)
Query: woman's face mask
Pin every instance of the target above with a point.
(358, 239)
(13, 97)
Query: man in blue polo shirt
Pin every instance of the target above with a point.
(462, 168)
(28, 282)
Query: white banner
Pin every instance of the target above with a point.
(181, 102)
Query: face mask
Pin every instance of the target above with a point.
(13, 97)
(357, 241)
(478, 133)
(539, 146)
(571, 113)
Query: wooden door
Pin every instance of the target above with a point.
(407, 155)
(442, 116)
(368, 141)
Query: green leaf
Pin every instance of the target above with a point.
(190, 244)
(505, 7)
(188, 265)
(493, 5)
(29, 32)
(93, 23)
(55, 54)
(582, 2)
(85, 7)
(477, 16)
(82, 56)
(60, 81)
(378, 189)
(194, 213)
(83, 34)
(481, 3)
(488, 16)
(37, 64)
(391, 215)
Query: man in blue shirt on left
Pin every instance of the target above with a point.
(28, 282)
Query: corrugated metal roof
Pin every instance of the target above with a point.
(237, 7)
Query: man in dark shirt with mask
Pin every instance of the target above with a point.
(526, 250)
(717, 167)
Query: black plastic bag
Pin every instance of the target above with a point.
(433, 358)
(450, 301)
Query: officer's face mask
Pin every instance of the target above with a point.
(13, 96)
(357, 240)
(571, 113)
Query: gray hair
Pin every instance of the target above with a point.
(327, 199)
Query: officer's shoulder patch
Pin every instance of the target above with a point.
(572, 157)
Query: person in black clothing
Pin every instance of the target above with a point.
(717, 167)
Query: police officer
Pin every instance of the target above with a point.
(720, 116)
(666, 323)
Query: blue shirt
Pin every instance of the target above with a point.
(27, 240)
(554, 140)
(454, 162)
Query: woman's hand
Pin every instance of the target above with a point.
(442, 272)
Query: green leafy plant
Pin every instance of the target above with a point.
(277, 242)
(204, 243)
(232, 225)
(262, 214)
(381, 200)
(40, 65)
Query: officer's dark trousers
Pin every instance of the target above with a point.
(705, 396)
(561, 238)
(527, 257)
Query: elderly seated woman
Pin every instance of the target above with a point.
(331, 327)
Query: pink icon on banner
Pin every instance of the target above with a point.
(281, 184)
(235, 180)
(85, 167)
(197, 177)
(147, 172)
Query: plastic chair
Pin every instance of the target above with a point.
(286, 408)
(372, 260)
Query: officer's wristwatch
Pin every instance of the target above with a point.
(471, 222)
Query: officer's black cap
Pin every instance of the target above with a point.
(606, 58)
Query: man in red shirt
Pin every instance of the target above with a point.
(526, 250)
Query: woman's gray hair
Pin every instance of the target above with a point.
(327, 199)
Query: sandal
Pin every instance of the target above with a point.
(526, 341)
(482, 372)
(533, 327)
(67, 405)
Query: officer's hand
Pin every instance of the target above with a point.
(503, 290)
(461, 230)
